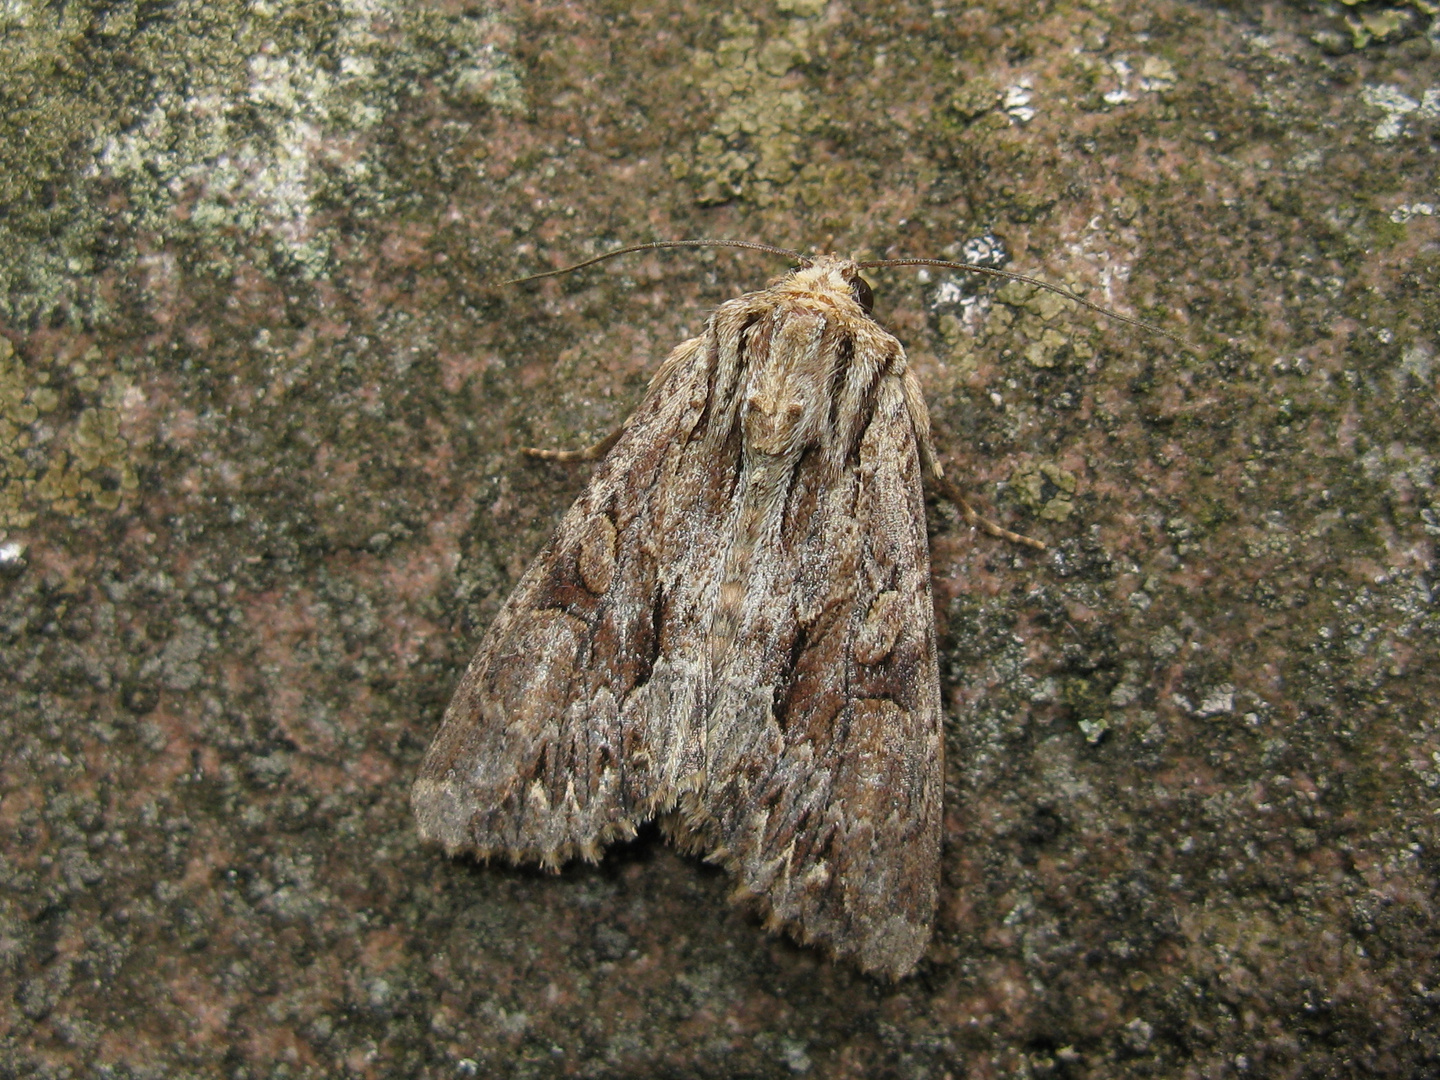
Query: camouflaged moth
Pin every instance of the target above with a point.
(732, 632)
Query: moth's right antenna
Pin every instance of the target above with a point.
(1039, 283)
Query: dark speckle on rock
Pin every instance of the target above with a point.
(261, 405)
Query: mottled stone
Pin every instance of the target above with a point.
(260, 492)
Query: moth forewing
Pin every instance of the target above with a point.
(732, 632)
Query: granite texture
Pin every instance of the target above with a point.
(260, 492)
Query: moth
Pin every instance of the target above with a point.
(732, 633)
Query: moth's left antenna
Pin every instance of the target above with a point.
(748, 245)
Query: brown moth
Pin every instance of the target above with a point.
(732, 633)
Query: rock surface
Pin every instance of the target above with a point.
(260, 492)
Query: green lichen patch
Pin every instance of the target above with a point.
(1047, 489)
(978, 97)
(1369, 22)
(17, 413)
(756, 144)
(90, 466)
(959, 343)
(1036, 322)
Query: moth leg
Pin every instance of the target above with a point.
(920, 418)
(590, 453)
(984, 524)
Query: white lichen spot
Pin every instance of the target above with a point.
(1157, 75)
(948, 293)
(1395, 105)
(12, 556)
(1016, 101)
(1417, 361)
(16, 14)
(1405, 211)
(1166, 642)
(1120, 94)
(793, 1054)
(1218, 701)
(491, 78)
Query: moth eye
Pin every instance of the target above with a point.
(860, 289)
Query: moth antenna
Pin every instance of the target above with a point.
(748, 245)
(1059, 290)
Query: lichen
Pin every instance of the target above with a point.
(16, 415)
(1047, 489)
(1400, 110)
(90, 466)
(1034, 331)
(244, 120)
(1382, 22)
(756, 143)
(1369, 22)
